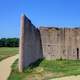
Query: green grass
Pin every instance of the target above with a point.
(7, 52)
(45, 70)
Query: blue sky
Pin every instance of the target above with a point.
(64, 13)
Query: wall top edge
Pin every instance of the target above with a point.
(57, 28)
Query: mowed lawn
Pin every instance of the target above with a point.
(41, 69)
(7, 52)
(46, 70)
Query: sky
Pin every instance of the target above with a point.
(61, 13)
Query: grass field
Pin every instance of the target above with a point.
(45, 70)
(7, 52)
(42, 69)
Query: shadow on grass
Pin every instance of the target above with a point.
(35, 64)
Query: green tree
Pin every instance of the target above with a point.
(9, 42)
(2, 42)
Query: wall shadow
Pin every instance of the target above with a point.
(36, 63)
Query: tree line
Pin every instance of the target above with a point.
(9, 42)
